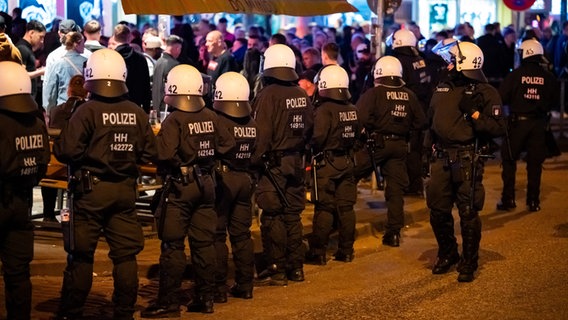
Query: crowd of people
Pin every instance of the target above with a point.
(245, 111)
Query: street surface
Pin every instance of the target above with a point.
(523, 270)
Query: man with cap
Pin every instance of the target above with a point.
(25, 155)
(465, 112)
(284, 114)
(189, 140)
(102, 145)
(362, 78)
(152, 47)
(8, 51)
(65, 27)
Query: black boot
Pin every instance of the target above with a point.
(315, 259)
(272, 276)
(443, 264)
(203, 304)
(343, 257)
(506, 205)
(160, 311)
(471, 235)
(391, 238)
(240, 291)
(296, 275)
(533, 205)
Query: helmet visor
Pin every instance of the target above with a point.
(443, 50)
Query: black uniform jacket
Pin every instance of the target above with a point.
(188, 138)
(530, 90)
(390, 110)
(108, 139)
(452, 127)
(336, 127)
(284, 115)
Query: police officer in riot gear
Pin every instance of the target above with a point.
(102, 143)
(284, 116)
(465, 112)
(388, 113)
(415, 75)
(235, 186)
(25, 147)
(188, 142)
(530, 91)
(336, 129)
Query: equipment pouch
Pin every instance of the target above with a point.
(186, 176)
(198, 176)
(86, 181)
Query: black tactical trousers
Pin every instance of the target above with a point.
(414, 162)
(337, 193)
(234, 215)
(16, 249)
(447, 187)
(189, 213)
(109, 207)
(392, 159)
(281, 226)
(524, 135)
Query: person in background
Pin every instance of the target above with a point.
(221, 59)
(227, 36)
(306, 82)
(30, 42)
(152, 47)
(312, 59)
(164, 64)
(138, 76)
(92, 33)
(57, 80)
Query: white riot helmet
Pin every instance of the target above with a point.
(232, 95)
(530, 48)
(403, 38)
(468, 60)
(280, 63)
(15, 88)
(105, 73)
(387, 66)
(184, 88)
(333, 83)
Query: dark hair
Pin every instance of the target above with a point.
(278, 38)
(223, 20)
(331, 49)
(35, 26)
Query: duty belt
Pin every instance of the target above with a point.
(522, 117)
(337, 153)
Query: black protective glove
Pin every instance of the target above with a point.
(471, 102)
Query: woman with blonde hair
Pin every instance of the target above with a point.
(71, 64)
